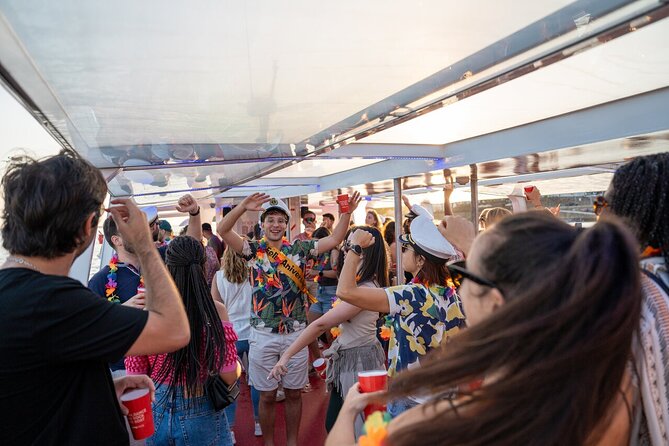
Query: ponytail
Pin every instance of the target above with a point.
(554, 355)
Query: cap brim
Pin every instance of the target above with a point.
(276, 208)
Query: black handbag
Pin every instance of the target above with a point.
(219, 393)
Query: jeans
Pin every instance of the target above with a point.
(176, 426)
(243, 347)
(325, 297)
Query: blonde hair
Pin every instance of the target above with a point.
(235, 268)
(491, 216)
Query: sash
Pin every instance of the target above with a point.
(294, 272)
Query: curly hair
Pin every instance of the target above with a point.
(48, 201)
(640, 194)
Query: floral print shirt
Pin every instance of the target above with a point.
(423, 319)
(280, 309)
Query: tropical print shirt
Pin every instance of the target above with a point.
(283, 308)
(423, 319)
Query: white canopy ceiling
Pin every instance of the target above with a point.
(226, 97)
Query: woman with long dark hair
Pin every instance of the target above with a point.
(552, 312)
(182, 412)
(423, 313)
(356, 349)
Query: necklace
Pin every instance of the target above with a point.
(24, 262)
(110, 286)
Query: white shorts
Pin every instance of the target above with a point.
(265, 349)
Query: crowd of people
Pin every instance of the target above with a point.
(532, 332)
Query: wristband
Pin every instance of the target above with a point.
(197, 213)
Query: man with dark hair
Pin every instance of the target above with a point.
(280, 302)
(309, 222)
(57, 335)
(214, 242)
(328, 221)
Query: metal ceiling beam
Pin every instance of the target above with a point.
(635, 115)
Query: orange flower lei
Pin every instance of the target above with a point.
(375, 429)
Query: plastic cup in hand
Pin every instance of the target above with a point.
(343, 203)
(373, 381)
(140, 415)
(319, 366)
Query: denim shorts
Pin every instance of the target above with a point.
(325, 296)
(199, 425)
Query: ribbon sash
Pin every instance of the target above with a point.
(290, 269)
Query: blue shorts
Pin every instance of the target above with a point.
(325, 297)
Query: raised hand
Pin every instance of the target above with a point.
(187, 204)
(131, 223)
(406, 201)
(354, 201)
(255, 201)
(362, 238)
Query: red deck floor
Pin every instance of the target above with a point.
(312, 427)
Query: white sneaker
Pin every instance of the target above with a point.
(258, 431)
(232, 435)
(280, 395)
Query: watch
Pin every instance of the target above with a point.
(357, 249)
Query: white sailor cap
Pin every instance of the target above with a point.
(151, 213)
(425, 238)
(275, 204)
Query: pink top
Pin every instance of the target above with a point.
(149, 365)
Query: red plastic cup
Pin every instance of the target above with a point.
(140, 415)
(343, 203)
(320, 366)
(373, 381)
(141, 290)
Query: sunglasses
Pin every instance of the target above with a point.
(309, 220)
(598, 204)
(459, 272)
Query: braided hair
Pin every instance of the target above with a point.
(641, 195)
(185, 260)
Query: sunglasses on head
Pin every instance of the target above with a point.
(459, 272)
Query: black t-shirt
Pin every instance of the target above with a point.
(127, 282)
(57, 337)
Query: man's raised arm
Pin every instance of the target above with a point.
(167, 328)
(339, 232)
(253, 202)
(188, 204)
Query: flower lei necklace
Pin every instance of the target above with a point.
(324, 259)
(264, 263)
(110, 286)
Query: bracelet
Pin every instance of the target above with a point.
(197, 213)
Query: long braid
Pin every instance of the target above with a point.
(185, 260)
(641, 195)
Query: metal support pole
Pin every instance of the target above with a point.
(397, 189)
(474, 183)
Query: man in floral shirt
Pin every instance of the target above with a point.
(280, 302)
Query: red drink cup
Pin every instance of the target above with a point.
(320, 366)
(140, 415)
(343, 203)
(373, 381)
(141, 290)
